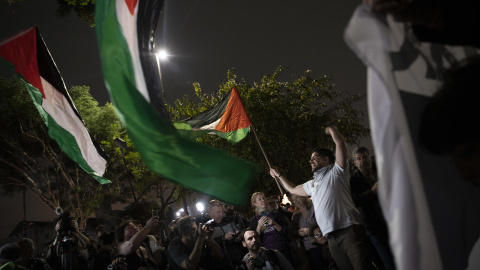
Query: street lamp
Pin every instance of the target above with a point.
(161, 55)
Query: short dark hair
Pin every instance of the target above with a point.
(242, 233)
(324, 152)
(184, 224)
(120, 230)
(360, 150)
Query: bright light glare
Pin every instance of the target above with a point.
(179, 212)
(162, 55)
(285, 199)
(200, 207)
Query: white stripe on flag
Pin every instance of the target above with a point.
(60, 110)
(129, 30)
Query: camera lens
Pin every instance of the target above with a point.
(258, 261)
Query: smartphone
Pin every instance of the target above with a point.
(154, 213)
(263, 213)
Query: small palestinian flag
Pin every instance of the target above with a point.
(227, 119)
(28, 55)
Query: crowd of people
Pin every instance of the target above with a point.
(332, 222)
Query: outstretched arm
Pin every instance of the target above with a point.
(130, 246)
(289, 186)
(341, 155)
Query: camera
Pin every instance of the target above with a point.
(209, 224)
(66, 228)
(66, 247)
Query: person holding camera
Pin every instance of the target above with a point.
(193, 247)
(259, 257)
(70, 247)
(131, 244)
(225, 232)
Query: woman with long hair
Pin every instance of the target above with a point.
(130, 243)
(271, 226)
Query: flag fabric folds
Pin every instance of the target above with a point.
(125, 31)
(28, 55)
(418, 192)
(227, 119)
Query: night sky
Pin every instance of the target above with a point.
(205, 39)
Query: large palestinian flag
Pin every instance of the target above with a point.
(29, 57)
(432, 214)
(125, 30)
(227, 119)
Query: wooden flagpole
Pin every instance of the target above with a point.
(266, 158)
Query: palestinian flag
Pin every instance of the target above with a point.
(29, 57)
(125, 30)
(227, 119)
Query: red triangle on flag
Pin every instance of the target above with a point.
(131, 4)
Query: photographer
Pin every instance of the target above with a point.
(193, 248)
(131, 244)
(225, 232)
(69, 249)
(260, 258)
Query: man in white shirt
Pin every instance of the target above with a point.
(335, 211)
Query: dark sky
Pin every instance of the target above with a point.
(206, 38)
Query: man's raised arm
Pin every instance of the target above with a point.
(341, 155)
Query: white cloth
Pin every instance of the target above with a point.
(474, 258)
(333, 204)
(417, 190)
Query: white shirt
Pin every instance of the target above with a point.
(330, 192)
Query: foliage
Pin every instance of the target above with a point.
(289, 117)
(85, 9)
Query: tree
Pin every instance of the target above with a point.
(30, 158)
(289, 117)
(85, 10)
